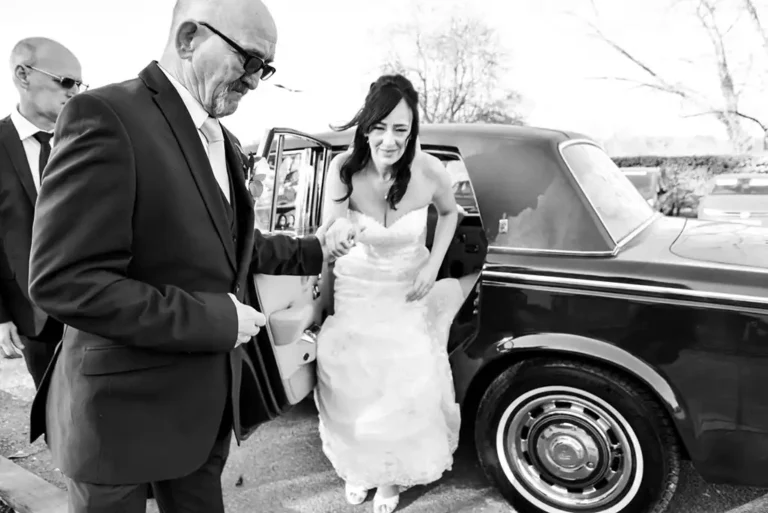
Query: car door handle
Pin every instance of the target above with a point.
(316, 287)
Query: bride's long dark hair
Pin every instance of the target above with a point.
(382, 98)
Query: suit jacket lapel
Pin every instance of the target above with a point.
(174, 110)
(244, 212)
(15, 149)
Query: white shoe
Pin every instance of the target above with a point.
(385, 505)
(355, 494)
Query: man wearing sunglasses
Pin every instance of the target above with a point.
(46, 75)
(144, 245)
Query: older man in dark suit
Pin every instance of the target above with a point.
(47, 75)
(144, 246)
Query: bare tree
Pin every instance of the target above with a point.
(726, 109)
(457, 69)
(751, 9)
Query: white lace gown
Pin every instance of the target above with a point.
(385, 396)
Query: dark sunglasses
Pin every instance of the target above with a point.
(252, 63)
(65, 82)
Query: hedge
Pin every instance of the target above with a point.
(686, 178)
(715, 164)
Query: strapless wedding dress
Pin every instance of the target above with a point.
(385, 396)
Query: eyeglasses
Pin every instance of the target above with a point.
(65, 82)
(252, 63)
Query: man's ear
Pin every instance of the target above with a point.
(21, 76)
(186, 40)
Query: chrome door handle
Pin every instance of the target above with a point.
(316, 287)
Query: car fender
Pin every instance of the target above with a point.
(510, 350)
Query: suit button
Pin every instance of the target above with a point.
(234, 239)
(237, 289)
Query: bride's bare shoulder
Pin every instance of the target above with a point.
(431, 168)
(341, 158)
(334, 169)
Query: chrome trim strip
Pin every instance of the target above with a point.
(628, 287)
(275, 184)
(573, 142)
(504, 250)
(647, 299)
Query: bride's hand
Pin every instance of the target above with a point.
(340, 237)
(423, 283)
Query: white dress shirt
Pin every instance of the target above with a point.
(199, 116)
(27, 131)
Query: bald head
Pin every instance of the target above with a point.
(210, 67)
(238, 19)
(37, 64)
(44, 53)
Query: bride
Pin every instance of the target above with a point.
(388, 415)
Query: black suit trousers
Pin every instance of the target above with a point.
(198, 492)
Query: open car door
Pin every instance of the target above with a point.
(291, 172)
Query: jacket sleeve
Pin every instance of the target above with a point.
(283, 254)
(82, 241)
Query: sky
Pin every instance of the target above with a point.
(330, 50)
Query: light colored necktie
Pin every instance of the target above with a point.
(213, 134)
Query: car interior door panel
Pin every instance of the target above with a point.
(292, 304)
(293, 317)
(466, 253)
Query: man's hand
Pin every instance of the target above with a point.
(10, 342)
(338, 237)
(249, 321)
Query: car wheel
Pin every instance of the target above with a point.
(562, 437)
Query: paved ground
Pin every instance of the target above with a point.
(281, 469)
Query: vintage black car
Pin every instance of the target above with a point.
(600, 342)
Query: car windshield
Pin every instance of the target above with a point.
(740, 186)
(618, 203)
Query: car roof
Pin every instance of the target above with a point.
(444, 133)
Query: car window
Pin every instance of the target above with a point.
(294, 181)
(617, 202)
(462, 187)
(527, 201)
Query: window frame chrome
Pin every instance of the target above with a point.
(311, 209)
(617, 244)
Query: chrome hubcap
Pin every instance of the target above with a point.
(567, 450)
